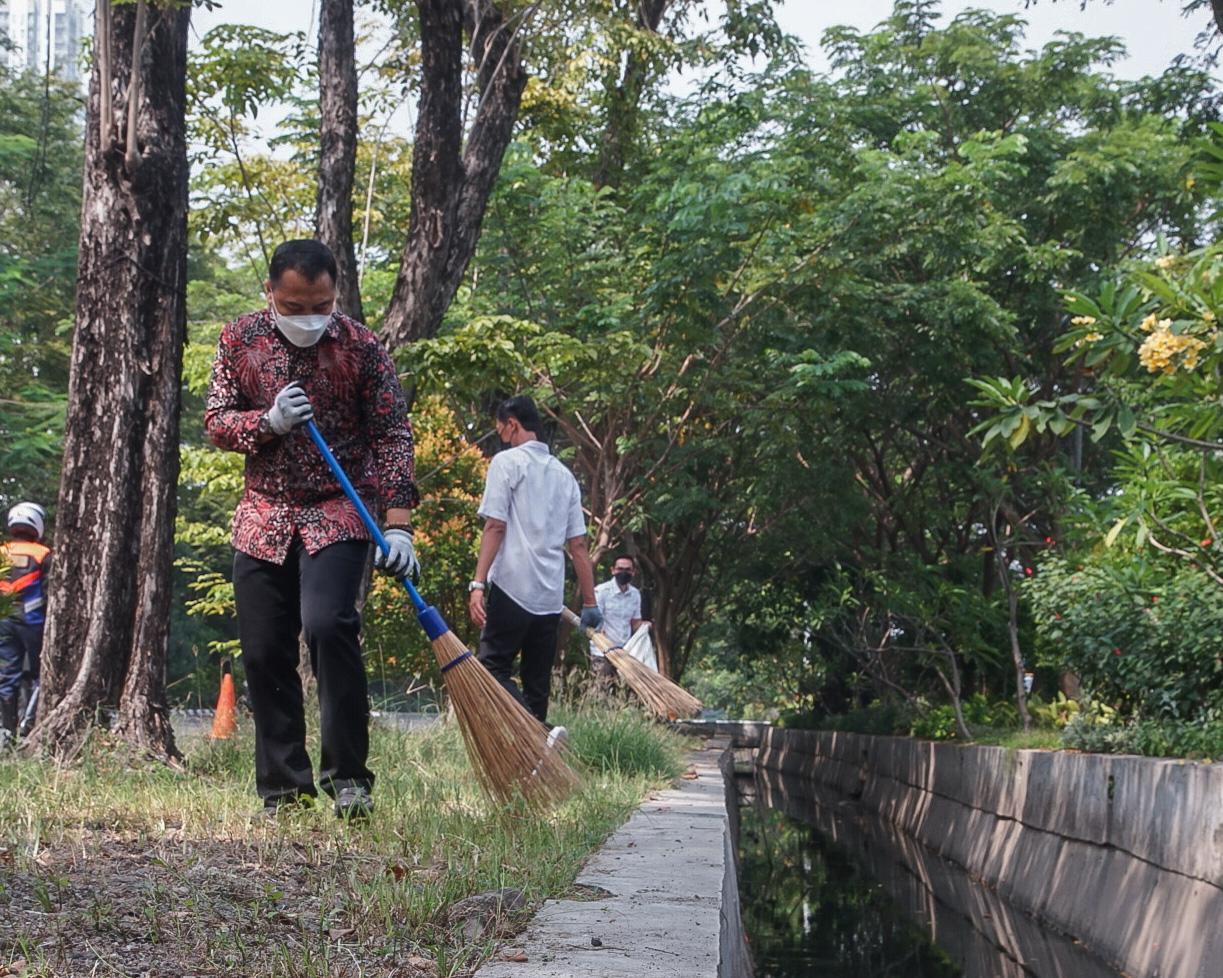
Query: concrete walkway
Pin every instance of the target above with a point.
(656, 895)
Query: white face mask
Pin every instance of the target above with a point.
(300, 330)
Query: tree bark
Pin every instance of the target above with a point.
(337, 67)
(624, 101)
(109, 603)
(1002, 560)
(451, 183)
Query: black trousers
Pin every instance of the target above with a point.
(508, 629)
(20, 652)
(317, 595)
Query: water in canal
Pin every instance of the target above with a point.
(830, 891)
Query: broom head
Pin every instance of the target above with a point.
(665, 699)
(507, 746)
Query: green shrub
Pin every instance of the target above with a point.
(1055, 714)
(881, 719)
(1143, 637)
(982, 712)
(624, 742)
(936, 723)
(1197, 739)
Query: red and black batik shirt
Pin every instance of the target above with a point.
(359, 407)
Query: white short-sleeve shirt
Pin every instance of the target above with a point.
(540, 503)
(619, 609)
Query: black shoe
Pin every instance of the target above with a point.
(354, 803)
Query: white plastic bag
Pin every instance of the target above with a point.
(641, 647)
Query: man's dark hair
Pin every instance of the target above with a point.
(306, 256)
(629, 557)
(523, 409)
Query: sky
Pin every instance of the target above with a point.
(1153, 31)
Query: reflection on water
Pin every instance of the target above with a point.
(810, 910)
(830, 891)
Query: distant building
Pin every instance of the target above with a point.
(29, 26)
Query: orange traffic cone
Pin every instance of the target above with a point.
(224, 722)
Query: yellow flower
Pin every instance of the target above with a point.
(1148, 324)
(1082, 320)
(1209, 315)
(1094, 337)
(1165, 262)
(1161, 350)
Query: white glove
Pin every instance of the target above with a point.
(290, 409)
(400, 559)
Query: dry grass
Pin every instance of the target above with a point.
(115, 867)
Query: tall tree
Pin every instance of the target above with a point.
(452, 180)
(337, 80)
(624, 96)
(108, 613)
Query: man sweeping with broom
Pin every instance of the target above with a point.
(300, 546)
(532, 511)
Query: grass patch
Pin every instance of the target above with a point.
(1017, 738)
(624, 743)
(118, 867)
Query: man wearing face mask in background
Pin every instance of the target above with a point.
(300, 548)
(620, 604)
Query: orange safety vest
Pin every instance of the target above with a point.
(25, 581)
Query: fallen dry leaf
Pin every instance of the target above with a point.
(514, 954)
(425, 966)
(335, 933)
(13, 967)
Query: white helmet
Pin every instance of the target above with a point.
(28, 514)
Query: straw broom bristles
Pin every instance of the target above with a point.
(506, 745)
(663, 698)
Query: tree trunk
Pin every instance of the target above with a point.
(109, 603)
(1012, 628)
(451, 183)
(337, 70)
(624, 101)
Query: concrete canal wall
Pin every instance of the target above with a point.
(1124, 854)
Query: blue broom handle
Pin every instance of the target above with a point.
(346, 484)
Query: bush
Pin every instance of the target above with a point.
(1143, 637)
(625, 742)
(1055, 714)
(881, 719)
(1197, 739)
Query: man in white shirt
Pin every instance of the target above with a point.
(620, 604)
(532, 511)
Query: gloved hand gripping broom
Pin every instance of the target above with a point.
(667, 700)
(506, 745)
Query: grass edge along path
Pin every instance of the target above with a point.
(109, 867)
